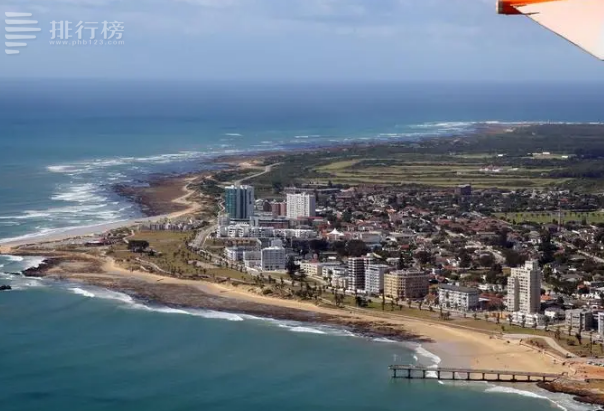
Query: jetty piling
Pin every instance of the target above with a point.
(468, 374)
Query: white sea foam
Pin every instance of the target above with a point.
(510, 390)
(384, 340)
(301, 329)
(233, 134)
(14, 258)
(429, 355)
(82, 292)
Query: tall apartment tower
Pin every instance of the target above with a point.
(356, 275)
(300, 205)
(524, 288)
(239, 202)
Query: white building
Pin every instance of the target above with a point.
(356, 273)
(300, 205)
(601, 323)
(528, 320)
(524, 288)
(579, 320)
(273, 258)
(374, 278)
(461, 298)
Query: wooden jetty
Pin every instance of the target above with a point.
(467, 374)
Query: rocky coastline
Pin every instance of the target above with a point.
(184, 296)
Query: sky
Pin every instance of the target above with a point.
(297, 40)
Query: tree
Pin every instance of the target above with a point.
(423, 256)
(510, 319)
(475, 315)
(486, 316)
(579, 337)
(557, 333)
(401, 264)
(523, 322)
(547, 321)
(356, 248)
(291, 267)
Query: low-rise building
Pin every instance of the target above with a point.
(579, 319)
(461, 298)
(601, 323)
(374, 278)
(406, 284)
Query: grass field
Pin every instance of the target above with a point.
(173, 255)
(438, 171)
(544, 217)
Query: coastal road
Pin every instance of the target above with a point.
(548, 340)
(266, 170)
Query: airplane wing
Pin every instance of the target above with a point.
(579, 21)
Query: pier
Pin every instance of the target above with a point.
(466, 374)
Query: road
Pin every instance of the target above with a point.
(266, 170)
(548, 340)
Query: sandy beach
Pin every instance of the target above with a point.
(455, 346)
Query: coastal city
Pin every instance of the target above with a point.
(379, 245)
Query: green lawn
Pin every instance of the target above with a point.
(544, 217)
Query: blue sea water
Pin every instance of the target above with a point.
(64, 143)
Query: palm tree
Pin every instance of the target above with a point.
(557, 333)
(547, 320)
(523, 323)
(475, 315)
(486, 316)
(569, 330)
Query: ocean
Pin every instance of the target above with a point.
(63, 144)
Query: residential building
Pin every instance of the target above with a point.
(239, 201)
(601, 323)
(461, 298)
(300, 205)
(374, 278)
(463, 190)
(524, 288)
(579, 319)
(278, 209)
(406, 284)
(311, 268)
(273, 258)
(356, 274)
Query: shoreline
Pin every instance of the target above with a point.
(473, 349)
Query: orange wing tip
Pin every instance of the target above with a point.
(511, 6)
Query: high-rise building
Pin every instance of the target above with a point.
(406, 284)
(239, 202)
(355, 274)
(524, 288)
(300, 205)
(374, 276)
